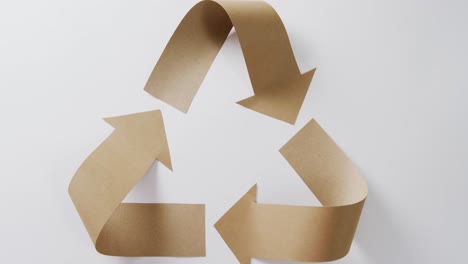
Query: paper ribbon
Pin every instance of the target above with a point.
(286, 232)
(110, 172)
(301, 233)
(278, 84)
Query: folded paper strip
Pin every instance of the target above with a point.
(250, 229)
(301, 233)
(278, 85)
(110, 172)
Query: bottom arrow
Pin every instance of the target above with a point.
(301, 233)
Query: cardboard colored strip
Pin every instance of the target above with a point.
(301, 233)
(110, 172)
(278, 85)
(250, 229)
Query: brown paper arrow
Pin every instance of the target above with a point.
(301, 233)
(278, 84)
(294, 233)
(110, 172)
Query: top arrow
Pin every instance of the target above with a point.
(278, 85)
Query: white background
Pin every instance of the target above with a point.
(390, 88)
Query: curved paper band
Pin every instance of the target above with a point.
(278, 85)
(301, 233)
(297, 233)
(110, 172)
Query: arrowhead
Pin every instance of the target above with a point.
(235, 226)
(282, 102)
(146, 128)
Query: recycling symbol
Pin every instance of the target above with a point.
(250, 229)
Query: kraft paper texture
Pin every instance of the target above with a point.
(301, 233)
(278, 84)
(110, 172)
(250, 229)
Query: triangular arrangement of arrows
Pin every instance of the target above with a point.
(296, 233)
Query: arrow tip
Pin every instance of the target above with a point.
(134, 120)
(147, 128)
(282, 102)
(234, 226)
